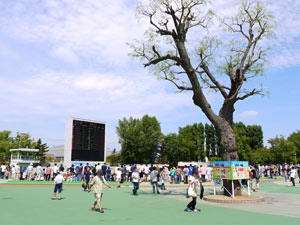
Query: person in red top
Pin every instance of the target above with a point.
(48, 172)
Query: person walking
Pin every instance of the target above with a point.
(104, 168)
(135, 180)
(58, 181)
(293, 174)
(48, 172)
(119, 177)
(39, 172)
(164, 178)
(154, 180)
(97, 183)
(203, 173)
(192, 192)
(3, 169)
(86, 178)
(55, 170)
(178, 175)
(30, 171)
(80, 172)
(255, 179)
(172, 174)
(108, 173)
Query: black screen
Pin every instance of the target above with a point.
(88, 141)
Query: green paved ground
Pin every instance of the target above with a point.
(32, 205)
(278, 188)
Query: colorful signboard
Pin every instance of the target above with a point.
(231, 170)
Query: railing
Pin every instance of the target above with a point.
(25, 158)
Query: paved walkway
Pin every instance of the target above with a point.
(283, 204)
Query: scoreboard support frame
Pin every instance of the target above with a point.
(68, 142)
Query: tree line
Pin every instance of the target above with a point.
(143, 142)
(21, 140)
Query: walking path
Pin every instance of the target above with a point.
(284, 203)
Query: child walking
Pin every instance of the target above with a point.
(135, 180)
(58, 181)
(97, 183)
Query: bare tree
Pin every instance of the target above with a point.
(171, 53)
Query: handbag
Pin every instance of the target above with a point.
(191, 192)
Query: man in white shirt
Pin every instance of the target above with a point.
(98, 167)
(17, 174)
(146, 171)
(208, 173)
(3, 170)
(13, 171)
(55, 170)
(30, 171)
(293, 175)
(39, 172)
(118, 176)
(58, 181)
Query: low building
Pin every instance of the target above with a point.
(56, 152)
(23, 157)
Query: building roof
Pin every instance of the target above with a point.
(24, 150)
(56, 151)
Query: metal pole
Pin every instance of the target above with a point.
(214, 187)
(248, 182)
(232, 188)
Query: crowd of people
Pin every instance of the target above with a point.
(97, 175)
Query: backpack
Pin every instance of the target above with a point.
(257, 176)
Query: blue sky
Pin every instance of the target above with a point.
(69, 58)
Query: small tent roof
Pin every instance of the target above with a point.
(24, 150)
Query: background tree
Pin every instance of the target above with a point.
(283, 151)
(5, 146)
(114, 158)
(172, 151)
(140, 139)
(43, 149)
(166, 52)
(295, 139)
(21, 140)
(191, 138)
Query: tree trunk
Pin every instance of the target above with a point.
(228, 145)
(228, 188)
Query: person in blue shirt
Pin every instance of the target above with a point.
(104, 168)
(124, 174)
(108, 174)
(191, 169)
(86, 178)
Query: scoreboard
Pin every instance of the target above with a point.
(85, 141)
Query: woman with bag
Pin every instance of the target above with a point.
(193, 180)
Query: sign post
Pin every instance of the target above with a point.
(231, 170)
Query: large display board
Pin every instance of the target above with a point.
(85, 141)
(231, 170)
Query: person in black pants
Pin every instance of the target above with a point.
(191, 207)
(86, 178)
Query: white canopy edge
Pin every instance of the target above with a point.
(24, 150)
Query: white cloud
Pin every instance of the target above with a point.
(248, 114)
(91, 28)
(110, 96)
(65, 54)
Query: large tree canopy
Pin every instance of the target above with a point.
(180, 47)
(140, 139)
